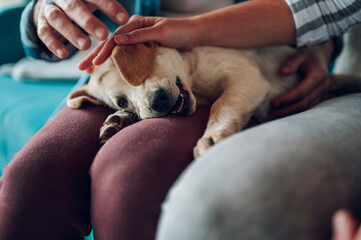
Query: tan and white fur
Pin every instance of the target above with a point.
(236, 83)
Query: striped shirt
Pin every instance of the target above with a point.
(318, 20)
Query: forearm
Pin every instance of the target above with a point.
(249, 24)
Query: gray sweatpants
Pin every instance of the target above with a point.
(280, 180)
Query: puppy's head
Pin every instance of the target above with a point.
(147, 80)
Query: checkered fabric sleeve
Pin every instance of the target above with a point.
(318, 20)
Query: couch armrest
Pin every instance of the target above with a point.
(11, 49)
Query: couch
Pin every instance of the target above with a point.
(25, 106)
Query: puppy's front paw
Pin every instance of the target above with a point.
(202, 145)
(208, 140)
(111, 126)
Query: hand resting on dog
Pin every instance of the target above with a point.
(312, 62)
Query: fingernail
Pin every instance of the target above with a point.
(81, 43)
(59, 52)
(339, 222)
(121, 17)
(121, 38)
(101, 33)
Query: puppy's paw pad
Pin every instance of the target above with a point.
(114, 119)
(209, 140)
(107, 132)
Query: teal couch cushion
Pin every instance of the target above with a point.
(24, 106)
(24, 109)
(10, 45)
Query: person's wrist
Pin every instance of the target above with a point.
(197, 31)
(323, 51)
(329, 48)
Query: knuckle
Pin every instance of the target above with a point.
(52, 13)
(87, 21)
(111, 5)
(69, 4)
(51, 44)
(134, 17)
(43, 31)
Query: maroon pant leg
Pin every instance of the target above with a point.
(45, 190)
(134, 170)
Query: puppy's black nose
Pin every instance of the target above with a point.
(159, 101)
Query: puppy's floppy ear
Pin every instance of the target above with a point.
(135, 62)
(78, 97)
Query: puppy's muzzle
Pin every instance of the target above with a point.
(159, 102)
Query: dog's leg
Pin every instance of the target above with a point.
(232, 111)
(114, 123)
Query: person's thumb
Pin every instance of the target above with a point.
(291, 65)
(136, 36)
(344, 226)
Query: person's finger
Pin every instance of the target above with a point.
(59, 21)
(313, 98)
(80, 14)
(137, 29)
(87, 62)
(90, 70)
(48, 37)
(139, 36)
(344, 226)
(291, 65)
(113, 9)
(105, 52)
(358, 234)
(313, 78)
(135, 22)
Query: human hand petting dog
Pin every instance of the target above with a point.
(59, 20)
(186, 33)
(143, 29)
(312, 64)
(345, 227)
(214, 28)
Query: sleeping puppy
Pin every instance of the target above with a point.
(145, 81)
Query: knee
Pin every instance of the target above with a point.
(264, 198)
(210, 208)
(152, 147)
(165, 144)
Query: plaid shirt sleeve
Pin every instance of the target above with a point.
(318, 20)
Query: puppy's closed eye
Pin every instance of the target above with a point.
(122, 102)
